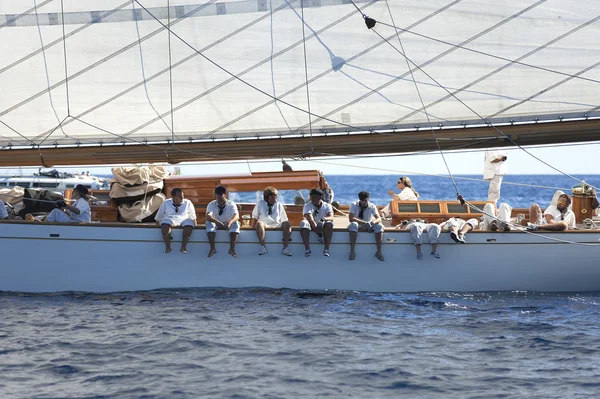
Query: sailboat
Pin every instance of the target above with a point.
(123, 82)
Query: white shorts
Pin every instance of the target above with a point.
(212, 227)
(175, 223)
(305, 225)
(376, 228)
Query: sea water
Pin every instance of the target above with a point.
(280, 343)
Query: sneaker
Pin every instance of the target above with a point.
(454, 237)
(286, 251)
(435, 254)
(326, 253)
(461, 238)
(494, 225)
(263, 250)
(352, 256)
(307, 252)
(531, 226)
(419, 256)
(321, 240)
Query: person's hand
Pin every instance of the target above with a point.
(391, 192)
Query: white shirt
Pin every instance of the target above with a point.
(176, 214)
(369, 213)
(229, 211)
(3, 211)
(407, 195)
(277, 216)
(568, 218)
(85, 215)
(323, 211)
(490, 169)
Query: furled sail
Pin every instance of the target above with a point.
(86, 81)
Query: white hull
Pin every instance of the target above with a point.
(106, 259)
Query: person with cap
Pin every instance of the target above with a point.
(79, 212)
(222, 214)
(176, 211)
(270, 213)
(364, 216)
(318, 217)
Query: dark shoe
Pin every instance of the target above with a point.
(494, 225)
(454, 236)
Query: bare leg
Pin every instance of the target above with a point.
(232, 240)
(305, 233)
(260, 232)
(187, 232)
(378, 241)
(418, 247)
(287, 232)
(353, 235)
(166, 234)
(534, 213)
(211, 242)
(327, 234)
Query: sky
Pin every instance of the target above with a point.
(570, 158)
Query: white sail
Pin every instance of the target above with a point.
(84, 72)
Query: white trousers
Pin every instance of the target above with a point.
(504, 213)
(433, 232)
(494, 189)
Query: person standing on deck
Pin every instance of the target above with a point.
(318, 217)
(79, 212)
(364, 216)
(494, 169)
(176, 211)
(222, 214)
(270, 213)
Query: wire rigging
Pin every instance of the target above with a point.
(401, 51)
(371, 23)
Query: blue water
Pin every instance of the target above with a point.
(279, 343)
(520, 191)
(268, 343)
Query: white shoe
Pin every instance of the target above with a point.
(263, 250)
(285, 251)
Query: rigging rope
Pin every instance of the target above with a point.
(420, 99)
(372, 22)
(47, 79)
(139, 43)
(310, 130)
